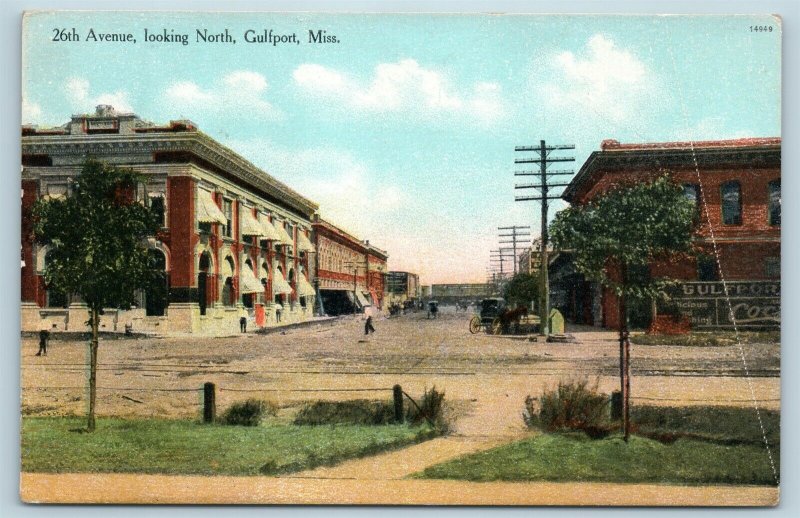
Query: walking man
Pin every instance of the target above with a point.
(278, 310)
(44, 337)
(243, 324)
(368, 326)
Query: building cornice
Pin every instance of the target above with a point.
(193, 142)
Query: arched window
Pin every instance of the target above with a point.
(775, 202)
(228, 293)
(202, 281)
(731, 203)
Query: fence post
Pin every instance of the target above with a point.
(209, 403)
(616, 405)
(398, 403)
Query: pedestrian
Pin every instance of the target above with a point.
(243, 324)
(368, 326)
(44, 337)
(278, 310)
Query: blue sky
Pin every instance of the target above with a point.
(404, 132)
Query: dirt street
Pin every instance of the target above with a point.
(485, 378)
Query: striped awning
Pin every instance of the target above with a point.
(250, 225)
(285, 239)
(303, 243)
(279, 284)
(207, 209)
(248, 283)
(304, 288)
(268, 232)
(362, 300)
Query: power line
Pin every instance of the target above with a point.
(543, 151)
(517, 231)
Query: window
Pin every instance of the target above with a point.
(707, 269)
(772, 267)
(205, 228)
(775, 202)
(227, 209)
(731, 203)
(157, 206)
(692, 192)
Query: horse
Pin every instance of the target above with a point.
(512, 316)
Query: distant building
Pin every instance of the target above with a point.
(234, 240)
(402, 286)
(350, 272)
(737, 187)
(461, 292)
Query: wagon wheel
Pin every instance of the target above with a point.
(497, 326)
(475, 325)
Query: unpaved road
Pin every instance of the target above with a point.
(486, 380)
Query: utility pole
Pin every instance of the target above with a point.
(543, 151)
(355, 265)
(516, 231)
(499, 256)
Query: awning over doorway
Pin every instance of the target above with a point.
(279, 284)
(248, 282)
(207, 210)
(304, 288)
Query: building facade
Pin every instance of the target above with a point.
(736, 185)
(349, 272)
(234, 241)
(451, 293)
(402, 287)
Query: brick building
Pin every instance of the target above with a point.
(349, 272)
(402, 286)
(737, 186)
(234, 241)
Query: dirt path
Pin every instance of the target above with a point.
(160, 489)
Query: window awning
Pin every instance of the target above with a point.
(303, 243)
(279, 284)
(268, 231)
(285, 238)
(248, 282)
(250, 225)
(362, 300)
(207, 210)
(304, 288)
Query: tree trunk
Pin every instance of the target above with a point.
(94, 319)
(624, 357)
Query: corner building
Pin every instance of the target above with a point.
(736, 185)
(234, 241)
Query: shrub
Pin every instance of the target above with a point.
(358, 411)
(249, 413)
(431, 409)
(573, 405)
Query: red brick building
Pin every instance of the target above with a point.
(350, 273)
(234, 240)
(737, 186)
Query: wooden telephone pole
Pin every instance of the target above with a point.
(543, 151)
(517, 231)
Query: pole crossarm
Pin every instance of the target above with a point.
(540, 160)
(547, 148)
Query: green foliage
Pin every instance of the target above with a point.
(628, 226)
(188, 448)
(572, 405)
(359, 411)
(431, 409)
(521, 290)
(95, 237)
(249, 413)
(576, 458)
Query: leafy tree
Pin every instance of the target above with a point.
(522, 289)
(618, 234)
(96, 246)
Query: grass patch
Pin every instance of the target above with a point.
(358, 411)
(709, 339)
(725, 425)
(188, 448)
(575, 457)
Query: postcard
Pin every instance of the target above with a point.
(436, 259)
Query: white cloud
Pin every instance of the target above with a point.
(604, 80)
(239, 92)
(31, 112)
(404, 86)
(711, 128)
(78, 90)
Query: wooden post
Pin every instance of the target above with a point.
(209, 403)
(398, 403)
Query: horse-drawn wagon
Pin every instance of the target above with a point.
(496, 317)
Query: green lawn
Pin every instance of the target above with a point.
(575, 457)
(184, 447)
(709, 339)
